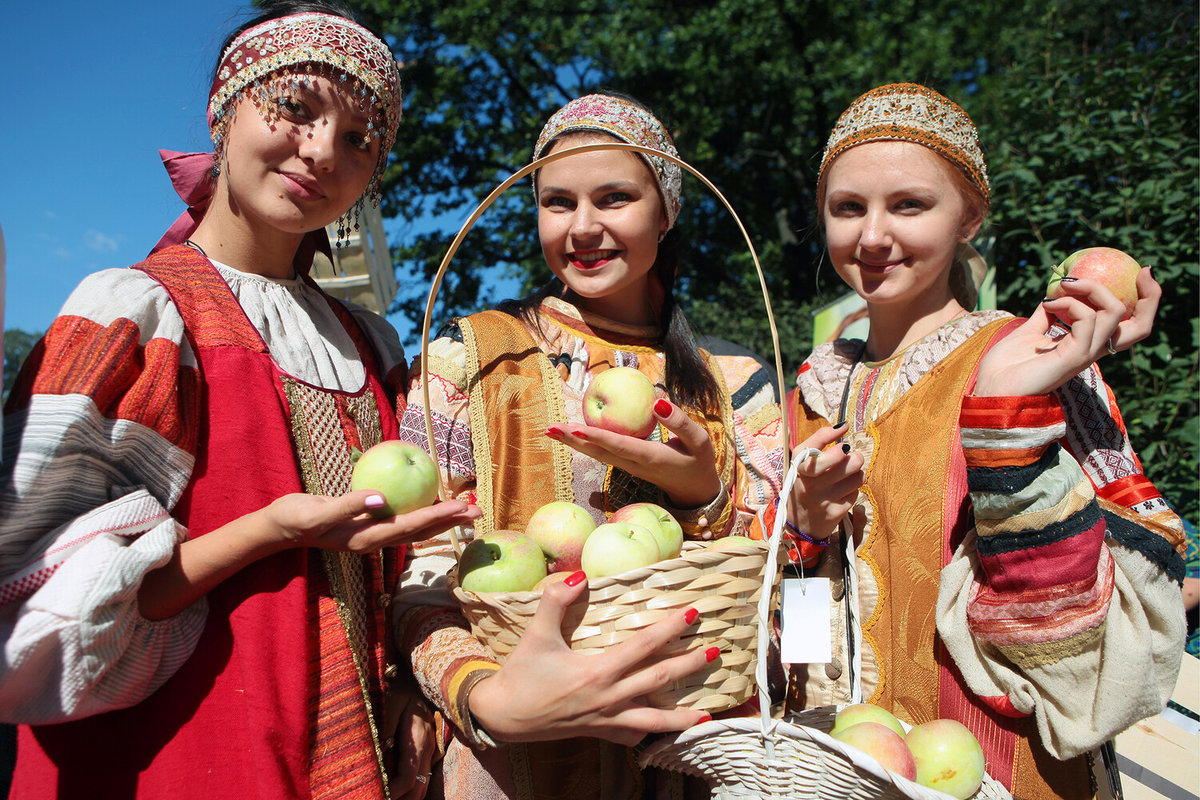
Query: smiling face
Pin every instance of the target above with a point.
(600, 219)
(893, 215)
(301, 171)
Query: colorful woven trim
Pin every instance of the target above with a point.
(910, 112)
(300, 46)
(627, 122)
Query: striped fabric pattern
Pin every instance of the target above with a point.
(1040, 533)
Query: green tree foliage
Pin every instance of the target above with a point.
(1087, 109)
(17, 344)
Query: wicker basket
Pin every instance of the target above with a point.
(806, 763)
(724, 586)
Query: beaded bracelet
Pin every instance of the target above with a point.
(787, 523)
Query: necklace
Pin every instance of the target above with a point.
(195, 247)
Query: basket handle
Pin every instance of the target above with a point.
(764, 600)
(491, 198)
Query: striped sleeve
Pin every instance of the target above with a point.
(99, 444)
(1040, 533)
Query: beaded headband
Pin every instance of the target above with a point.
(911, 113)
(630, 123)
(300, 46)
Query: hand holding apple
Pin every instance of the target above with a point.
(684, 467)
(1112, 268)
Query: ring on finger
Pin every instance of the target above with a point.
(388, 743)
(423, 778)
(1112, 351)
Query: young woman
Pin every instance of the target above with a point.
(506, 396)
(189, 593)
(984, 473)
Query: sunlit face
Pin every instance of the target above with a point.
(600, 220)
(305, 169)
(893, 217)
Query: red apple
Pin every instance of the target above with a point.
(560, 529)
(621, 400)
(617, 547)
(658, 521)
(948, 757)
(865, 712)
(1113, 268)
(882, 744)
(403, 473)
(502, 561)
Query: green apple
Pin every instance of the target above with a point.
(882, 744)
(403, 473)
(730, 542)
(948, 757)
(658, 521)
(617, 547)
(621, 400)
(560, 529)
(865, 712)
(502, 561)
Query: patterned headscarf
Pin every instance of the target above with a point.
(267, 58)
(630, 123)
(912, 113)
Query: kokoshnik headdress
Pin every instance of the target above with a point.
(910, 112)
(266, 60)
(630, 123)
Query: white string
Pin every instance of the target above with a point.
(764, 601)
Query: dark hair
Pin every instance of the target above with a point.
(686, 375)
(274, 9)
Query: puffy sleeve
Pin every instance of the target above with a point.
(99, 444)
(445, 658)
(1064, 602)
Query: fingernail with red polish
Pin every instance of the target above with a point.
(576, 578)
(690, 616)
(845, 448)
(704, 719)
(582, 435)
(662, 407)
(554, 432)
(711, 654)
(375, 501)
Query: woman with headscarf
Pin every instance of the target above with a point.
(506, 390)
(193, 603)
(995, 553)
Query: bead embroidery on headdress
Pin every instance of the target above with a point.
(912, 113)
(630, 123)
(267, 58)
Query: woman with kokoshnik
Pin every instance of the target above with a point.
(193, 605)
(506, 389)
(996, 554)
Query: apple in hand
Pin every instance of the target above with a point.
(882, 744)
(1111, 267)
(620, 400)
(658, 521)
(617, 547)
(865, 712)
(560, 529)
(502, 561)
(403, 473)
(948, 757)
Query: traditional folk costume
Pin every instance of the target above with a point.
(496, 384)
(1008, 564)
(165, 401)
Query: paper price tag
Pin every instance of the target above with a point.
(807, 624)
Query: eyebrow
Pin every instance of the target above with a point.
(606, 187)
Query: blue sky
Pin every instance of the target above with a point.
(92, 92)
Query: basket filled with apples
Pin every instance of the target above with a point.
(640, 570)
(845, 753)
